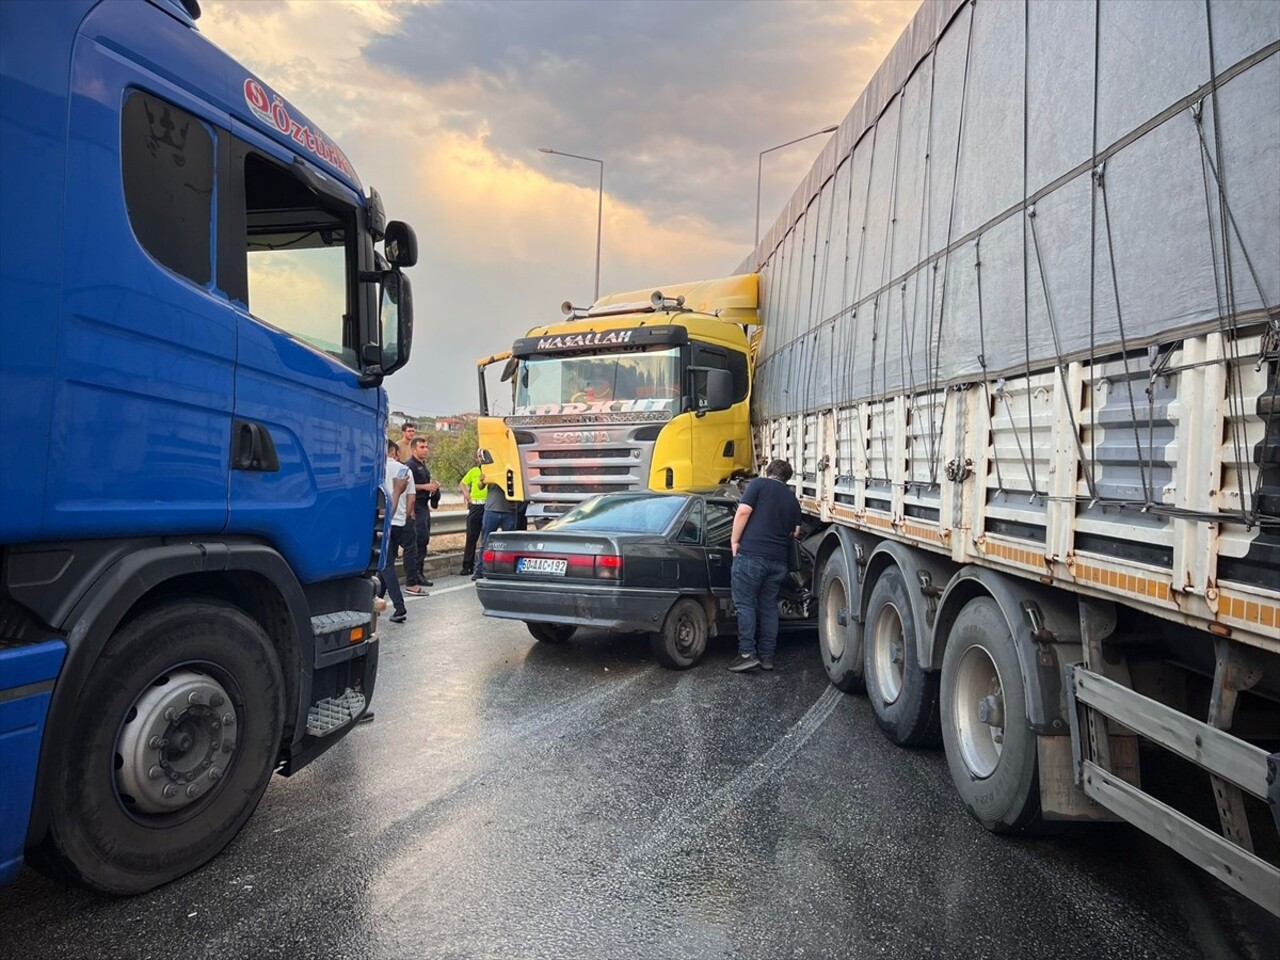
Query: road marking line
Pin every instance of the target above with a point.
(462, 586)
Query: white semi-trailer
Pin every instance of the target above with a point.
(1021, 331)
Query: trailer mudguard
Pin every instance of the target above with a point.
(926, 575)
(1043, 651)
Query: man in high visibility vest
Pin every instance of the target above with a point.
(473, 493)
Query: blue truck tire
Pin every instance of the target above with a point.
(178, 731)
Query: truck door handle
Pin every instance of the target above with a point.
(252, 447)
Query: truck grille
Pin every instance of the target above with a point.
(563, 468)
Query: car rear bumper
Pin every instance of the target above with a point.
(604, 606)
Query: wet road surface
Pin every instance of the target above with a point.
(513, 799)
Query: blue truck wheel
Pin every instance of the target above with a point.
(177, 733)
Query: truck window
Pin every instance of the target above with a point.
(649, 375)
(166, 160)
(300, 251)
(719, 358)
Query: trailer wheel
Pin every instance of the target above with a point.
(170, 747)
(683, 638)
(903, 697)
(550, 632)
(839, 632)
(990, 747)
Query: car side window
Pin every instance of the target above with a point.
(691, 527)
(720, 524)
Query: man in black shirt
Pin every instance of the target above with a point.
(767, 519)
(428, 492)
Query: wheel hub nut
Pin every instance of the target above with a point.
(991, 711)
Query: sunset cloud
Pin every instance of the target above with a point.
(442, 106)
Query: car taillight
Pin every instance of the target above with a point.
(604, 567)
(499, 561)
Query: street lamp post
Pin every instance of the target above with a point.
(760, 166)
(599, 205)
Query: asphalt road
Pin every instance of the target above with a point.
(517, 800)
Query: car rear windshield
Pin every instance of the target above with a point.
(623, 514)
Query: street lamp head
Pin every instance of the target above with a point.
(545, 150)
(831, 129)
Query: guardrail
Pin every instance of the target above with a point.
(445, 522)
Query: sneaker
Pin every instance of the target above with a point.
(426, 583)
(477, 575)
(465, 572)
(400, 615)
(414, 589)
(745, 662)
(766, 664)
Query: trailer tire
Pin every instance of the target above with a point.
(839, 643)
(550, 632)
(903, 697)
(683, 638)
(996, 776)
(100, 835)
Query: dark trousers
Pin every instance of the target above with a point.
(756, 584)
(421, 524)
(475, 519)
(387, 575)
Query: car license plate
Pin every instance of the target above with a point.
(542, 565)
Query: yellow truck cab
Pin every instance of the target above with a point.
(644, 389)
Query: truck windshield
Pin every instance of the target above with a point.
(566, 384)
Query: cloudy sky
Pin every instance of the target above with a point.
(442, 106)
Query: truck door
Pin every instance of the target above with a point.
(131, 455)
(721, 438)
(305, 436)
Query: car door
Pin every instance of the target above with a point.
(718, 533)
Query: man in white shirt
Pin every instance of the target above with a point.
(395, 483)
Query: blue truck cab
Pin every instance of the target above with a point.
(195, 321)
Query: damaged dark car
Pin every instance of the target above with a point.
(645, 563)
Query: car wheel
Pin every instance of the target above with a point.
(839, 632)
(990, 747)
(903, 697)
(173, 740)
(683, 638)
(551, 632)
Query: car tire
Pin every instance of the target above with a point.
(997, 776)
(683, 638)
(101, 835)
(839, 643)
(903, 697)
(550, 632)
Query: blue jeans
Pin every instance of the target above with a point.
(756, 584)
(493, 520)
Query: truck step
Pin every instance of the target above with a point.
(334, 713)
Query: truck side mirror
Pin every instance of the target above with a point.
(401, 244)
(396, 318)
(712, 389)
